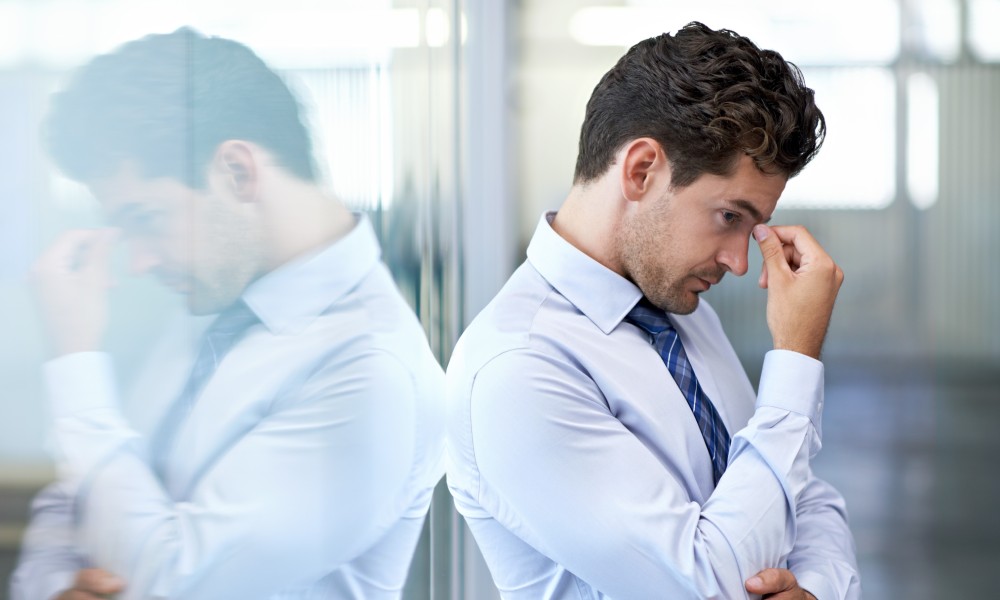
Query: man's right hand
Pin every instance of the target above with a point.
(92, 584)
(71, 281)
(802, 282)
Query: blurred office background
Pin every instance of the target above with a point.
(455, 123)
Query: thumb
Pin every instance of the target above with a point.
(770, 581)
(98, 581)
(771, 250)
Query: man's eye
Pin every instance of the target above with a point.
(730, 218)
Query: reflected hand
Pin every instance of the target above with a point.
(92, 584)
(802, 282)
(71, 280)
(777, 584)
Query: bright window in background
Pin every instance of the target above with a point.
(289, 34)
(983, 21)
(806, 33)
(856, 168)
(336, 55)
(922, 140)
(934, 32)
(350, 120)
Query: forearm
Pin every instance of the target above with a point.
(823, 558)
(49, 558)
(640, 513)
(294, 491)
(769, 464)
(87, 425)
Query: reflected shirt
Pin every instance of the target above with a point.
(304, 469)
(579, 466)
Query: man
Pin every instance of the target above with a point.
(603, 437)
(294, 446)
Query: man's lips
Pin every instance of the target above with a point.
(707, 283)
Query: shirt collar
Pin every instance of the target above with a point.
(604, 296)
(289, 298)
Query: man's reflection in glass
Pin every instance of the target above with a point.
(296, 442)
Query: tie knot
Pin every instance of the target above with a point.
(650, 318)
(233, 321)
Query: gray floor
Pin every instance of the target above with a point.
(13, 512)
(912, 448)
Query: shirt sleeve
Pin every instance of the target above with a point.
(562, 473)
(289, 500)
(823, 558)
(49, 559)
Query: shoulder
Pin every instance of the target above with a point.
(527, 318)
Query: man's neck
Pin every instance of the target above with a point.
(589, 220)
(302, 219)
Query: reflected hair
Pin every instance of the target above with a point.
(707, 97)
(166, 102)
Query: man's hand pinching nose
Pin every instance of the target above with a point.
(802, 283)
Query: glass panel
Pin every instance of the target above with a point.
(377, 81)
(934, 31)
(859, 104)
(922, 140)
(983, 16)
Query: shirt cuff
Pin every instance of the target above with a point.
(80, 382)
(817, 585)
(793, 382)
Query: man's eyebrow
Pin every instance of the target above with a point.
(749, 208)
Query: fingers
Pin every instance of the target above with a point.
(772, 251)
(93, 584)
(792, 256)
(79, 249)
(79, 595)
(98, 581)
(797, 236)
(771, 581)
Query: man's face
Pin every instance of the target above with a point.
(204, 244)
(677, 246)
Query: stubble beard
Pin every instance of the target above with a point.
(665, 289)
(208, 299)
(231, 263)
(638, 244)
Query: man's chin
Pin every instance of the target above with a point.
(688, 307)
(684, 305)
(200, 304)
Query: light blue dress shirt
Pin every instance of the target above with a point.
(304, 469)
(581, 470)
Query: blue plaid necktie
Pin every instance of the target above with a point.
(216, 342)
(668, 344)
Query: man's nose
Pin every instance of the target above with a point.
(734, 258)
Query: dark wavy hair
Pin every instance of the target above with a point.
(706, 97)
(167, 101)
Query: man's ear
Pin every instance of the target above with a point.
(236, 162)
(644, 168)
